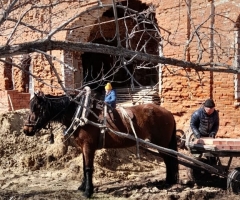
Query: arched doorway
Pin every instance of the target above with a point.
(101, 68)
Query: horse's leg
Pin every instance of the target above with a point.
(171, 169)
(171, 162)
(82, 187)
(89, 185)
(88, 154)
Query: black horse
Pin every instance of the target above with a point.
(148, 122)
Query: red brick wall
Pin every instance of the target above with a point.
(11, 100)
(183, 91)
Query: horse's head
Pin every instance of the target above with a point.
(38, 116)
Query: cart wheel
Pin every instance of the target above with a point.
(198, 175)
(181, 137)
(233, 181)
(189, 139)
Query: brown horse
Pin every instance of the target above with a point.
(148, 122)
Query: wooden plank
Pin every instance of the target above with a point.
(135, 99)
(219, 141)
(205, 141)
(142, 92)
(147, 98)
(137, 95)
(220, 144)
(203, 147)
(136, 88)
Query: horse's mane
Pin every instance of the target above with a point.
(62, 100)
(54, 106)
(56, 101)
(57, 108)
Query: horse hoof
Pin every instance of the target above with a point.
(187, 182)
(87, 194)
(81, 188)
(167, 185)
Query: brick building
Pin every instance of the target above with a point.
(194, 30)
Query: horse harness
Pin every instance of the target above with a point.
(81, 115)
(82, 112)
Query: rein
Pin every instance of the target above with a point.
(51, 139)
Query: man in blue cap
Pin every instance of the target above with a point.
(205, 121)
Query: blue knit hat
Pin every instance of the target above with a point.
(209, 103)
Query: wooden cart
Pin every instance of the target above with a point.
(211, 151)
(205, 157)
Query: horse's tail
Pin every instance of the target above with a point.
(173, 172)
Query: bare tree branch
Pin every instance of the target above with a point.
(133, 45)
(47, 45)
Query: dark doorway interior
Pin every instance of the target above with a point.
(7, 72)
(25, 64)
(98, 69)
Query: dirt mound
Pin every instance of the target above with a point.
(32, 168)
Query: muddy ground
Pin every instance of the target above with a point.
(31, 168)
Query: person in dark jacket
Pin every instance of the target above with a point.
(110, 95)
(205, 121)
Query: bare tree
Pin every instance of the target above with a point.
(137, 41)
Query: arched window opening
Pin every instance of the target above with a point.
(25, 64)
(8, 74)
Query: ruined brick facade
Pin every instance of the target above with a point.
(183, 93)
(181, 90)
